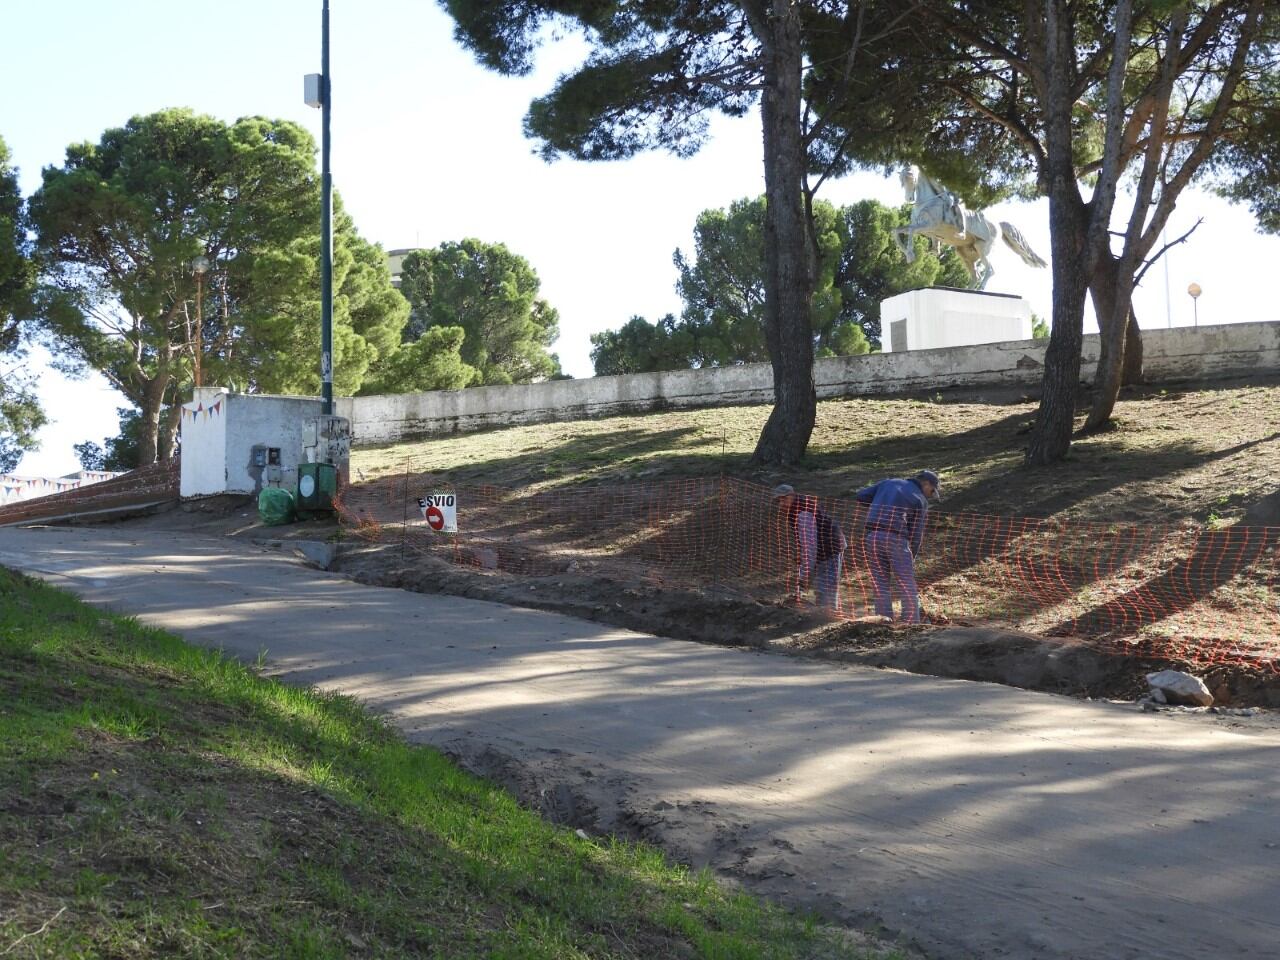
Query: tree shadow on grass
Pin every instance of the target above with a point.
(1218, 556)
(1013, 567)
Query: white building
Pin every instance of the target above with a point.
(950, 317)
(395, 263)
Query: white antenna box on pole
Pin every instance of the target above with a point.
(311, 90)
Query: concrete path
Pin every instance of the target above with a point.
(979, 820)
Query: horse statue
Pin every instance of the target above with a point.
(939, 215)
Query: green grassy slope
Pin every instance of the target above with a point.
(161, 800)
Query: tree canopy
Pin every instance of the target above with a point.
(1076, 101)
(1246, 166)
(431, 362)
(723, 288)
(20, 413)
(121, 223)
(491, 295)
(655, 73)
(118, 453)
(639, 346)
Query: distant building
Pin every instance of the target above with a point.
(937, 317)
(14, 488)
(395, 261)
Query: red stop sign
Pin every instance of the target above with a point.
(435, 519)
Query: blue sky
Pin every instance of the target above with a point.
(427, 148)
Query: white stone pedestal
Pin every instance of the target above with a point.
(949, 317)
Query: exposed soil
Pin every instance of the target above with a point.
(1210, 456)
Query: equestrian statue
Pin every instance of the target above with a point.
(939, 215)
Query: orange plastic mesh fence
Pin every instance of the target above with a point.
(1204, 595)
(159, 481)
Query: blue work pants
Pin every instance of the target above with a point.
(826, 581)
(890, 558)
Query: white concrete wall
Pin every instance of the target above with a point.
(1183, 353)
(220, 430)
(939, 317)
(448, 411)
(1195, 353)
(273, 421)
(204, 444)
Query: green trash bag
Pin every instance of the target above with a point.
(275, 506)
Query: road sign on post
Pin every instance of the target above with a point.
(440, 510)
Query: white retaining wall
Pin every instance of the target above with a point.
(1182, 353)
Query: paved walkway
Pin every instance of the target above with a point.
(980, 820)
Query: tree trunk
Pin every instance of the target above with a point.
(152, 400)
(169, 429)
(789, 265)
(1069, 221)
(1112, 288)
(1051, 439)
(1133, 356)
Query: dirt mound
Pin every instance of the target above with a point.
(1069, 666)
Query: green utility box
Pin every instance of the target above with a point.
(317, 486)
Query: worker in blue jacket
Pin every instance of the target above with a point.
(894, 533)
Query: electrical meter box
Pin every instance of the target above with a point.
(317, 486)
(266, 467)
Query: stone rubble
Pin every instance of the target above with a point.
(1177, 687)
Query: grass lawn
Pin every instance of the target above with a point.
(1176, 454)
(157, 799)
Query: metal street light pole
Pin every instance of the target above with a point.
(326, 222)
(1168, 304)
(1195, 291)
(316, 93)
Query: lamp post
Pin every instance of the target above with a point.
(1195, 291)
(200, 266)
(316, 89)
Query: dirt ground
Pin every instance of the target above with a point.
(1179, 455)
(1210, 456)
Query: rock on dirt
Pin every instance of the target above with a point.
(1180, 688)
(315, 552)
